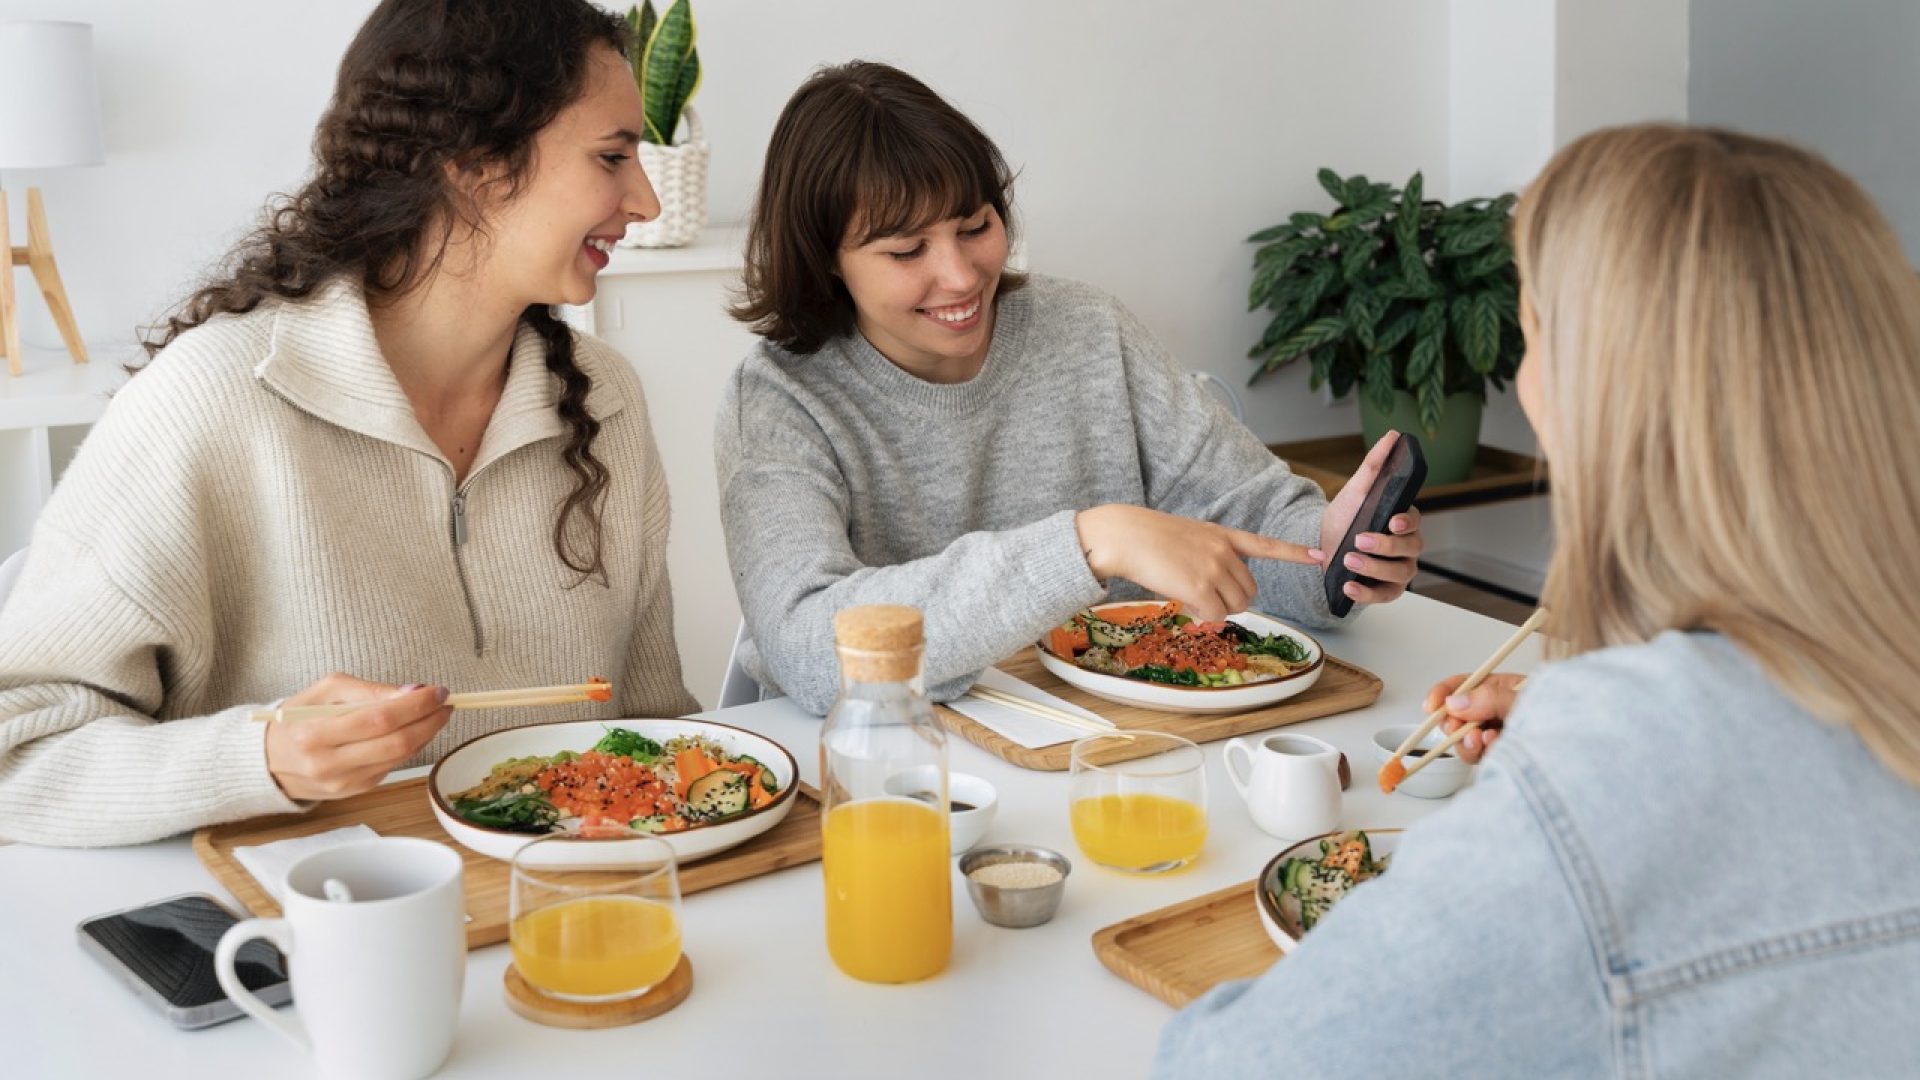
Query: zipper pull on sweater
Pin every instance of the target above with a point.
(459, 519)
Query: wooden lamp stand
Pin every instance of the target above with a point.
(38, 254)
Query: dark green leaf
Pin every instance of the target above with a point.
(1432, 399)
(1379, 380)
(1322, 361)
(1481, 339)
(1313, 335)
(1396, 331)
(1468, 240)
(1322, 279)
(1305, 220)
(1340, 379)
(1334, 186)
(1270, 233)
(1493, 259)
(1359, 252)
(1357, 190)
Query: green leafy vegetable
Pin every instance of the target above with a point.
(1162, 674)
(512, 810)
(624, 743)
(1280, 645)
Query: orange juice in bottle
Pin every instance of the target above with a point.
(883, 766)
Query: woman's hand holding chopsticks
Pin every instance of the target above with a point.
(1487, 705)
(333, 757)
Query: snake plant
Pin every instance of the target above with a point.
(665, 65)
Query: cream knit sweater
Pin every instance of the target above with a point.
(261, 507)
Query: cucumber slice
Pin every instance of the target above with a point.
(721, 793)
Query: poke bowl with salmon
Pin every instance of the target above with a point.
(1152, 655)
(700, 786)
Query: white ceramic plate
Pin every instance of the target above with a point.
(472, 760)
(1195, 699)
(1284, 931)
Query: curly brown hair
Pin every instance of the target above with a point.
(866, 139)
(426, 84)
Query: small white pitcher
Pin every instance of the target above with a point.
(1291, 786)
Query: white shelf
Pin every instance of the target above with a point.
(719, 248)
(53, 391)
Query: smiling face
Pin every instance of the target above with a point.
(550, 241)
(924, 298)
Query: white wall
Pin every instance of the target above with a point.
(1839, 78)
(1152, 138)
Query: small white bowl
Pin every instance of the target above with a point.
(966, 826)
(1435, 781)
(1280, 927)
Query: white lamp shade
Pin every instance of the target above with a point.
(49, 96)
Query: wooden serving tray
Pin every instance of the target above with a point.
(402, 810)
(1342, 687)
(1178, 953)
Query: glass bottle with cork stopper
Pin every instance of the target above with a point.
(883, 770)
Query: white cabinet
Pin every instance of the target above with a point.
(44, 413)
(665, 310)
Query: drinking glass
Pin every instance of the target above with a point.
(595, 920)
(1138, 801)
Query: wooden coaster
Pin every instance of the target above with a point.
(541, 1009)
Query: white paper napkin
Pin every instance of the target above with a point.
(1032, 732)
(269, 863)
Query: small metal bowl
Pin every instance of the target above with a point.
(1017, 908)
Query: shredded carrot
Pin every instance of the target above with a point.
(690, 764)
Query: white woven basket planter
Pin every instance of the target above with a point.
(679, 176)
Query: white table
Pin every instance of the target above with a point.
(766, 997)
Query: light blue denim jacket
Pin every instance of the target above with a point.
(1666, 868)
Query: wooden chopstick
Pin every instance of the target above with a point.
(592, 690)
(1393, 771)
(1039, 709)
(1447, 744)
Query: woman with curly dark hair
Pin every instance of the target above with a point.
(366, 445)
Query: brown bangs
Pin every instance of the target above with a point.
(867, 147)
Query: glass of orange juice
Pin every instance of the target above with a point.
(1138, 801)
(595, 920)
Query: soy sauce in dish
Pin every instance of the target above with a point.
(960, 807)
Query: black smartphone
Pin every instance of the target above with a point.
(1392, 493)
(164, 952)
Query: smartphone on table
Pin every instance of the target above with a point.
(164, 952)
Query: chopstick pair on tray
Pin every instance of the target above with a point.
(594, 689)
(1393, 772)
(1042, 710)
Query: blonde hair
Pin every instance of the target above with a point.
(1729, 343)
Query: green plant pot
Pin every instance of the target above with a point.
(1449, 451)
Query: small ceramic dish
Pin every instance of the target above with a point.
(971, 802)
(1161, 697)
(1435, 781)
(1279, 920)
(471, 761)
(1018, 885)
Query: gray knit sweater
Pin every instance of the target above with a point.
(845, 480)
(261, 507)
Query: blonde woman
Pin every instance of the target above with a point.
(1691, 851)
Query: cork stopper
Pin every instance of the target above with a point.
(880, 642)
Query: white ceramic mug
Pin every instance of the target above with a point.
(377, 979)
(1291, 786)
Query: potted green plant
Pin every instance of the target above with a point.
(666, 66)
(1412, 301)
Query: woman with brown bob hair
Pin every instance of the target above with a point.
(365, 446)
(1690, 854)
(919, 426)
